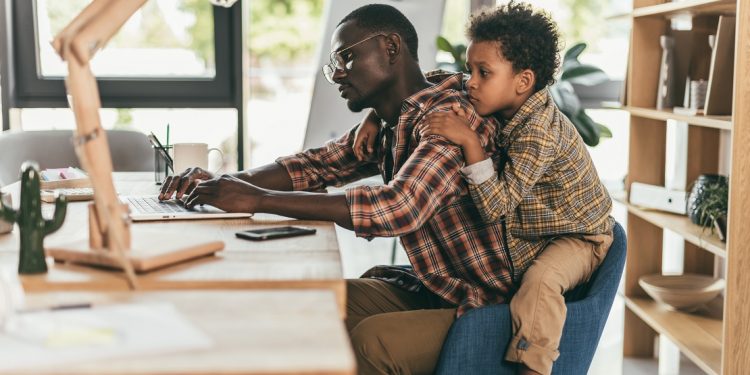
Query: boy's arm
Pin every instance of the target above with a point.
(365, 136)
(497, 194)
(455, 125)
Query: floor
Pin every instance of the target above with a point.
(359, 255)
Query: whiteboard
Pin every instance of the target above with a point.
(329, 116)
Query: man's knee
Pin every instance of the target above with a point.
(372, 349)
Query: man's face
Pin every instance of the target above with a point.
(369, 69)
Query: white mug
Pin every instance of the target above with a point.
(189, 155)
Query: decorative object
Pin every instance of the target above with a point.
(32, 225)
(5, 226)
(708, 200)
(698, 94)
(563, 92)
(665, 94)
(685, 292)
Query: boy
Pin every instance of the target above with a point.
(545, 191)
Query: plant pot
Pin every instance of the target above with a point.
(697, 194)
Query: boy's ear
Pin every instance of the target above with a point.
(393, 46)
(525, 82)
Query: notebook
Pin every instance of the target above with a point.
(149, 208)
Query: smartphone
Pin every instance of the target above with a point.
(276, 232)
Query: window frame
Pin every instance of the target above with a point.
(22, 87)
(35, 91)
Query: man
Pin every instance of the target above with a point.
(397, 318)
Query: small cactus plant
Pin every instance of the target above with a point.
(32, 225)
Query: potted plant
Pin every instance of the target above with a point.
(573, 74)
(709, 203)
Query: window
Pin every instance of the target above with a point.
(145, 46)
(189, 61)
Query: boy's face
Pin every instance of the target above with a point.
(493, 86)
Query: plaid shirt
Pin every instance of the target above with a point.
(548, 185)
(453, 252)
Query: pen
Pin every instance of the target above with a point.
(71, 306)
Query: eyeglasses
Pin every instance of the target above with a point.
(339, 62)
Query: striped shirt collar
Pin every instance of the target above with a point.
(424, 97)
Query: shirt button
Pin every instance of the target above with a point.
(400, 282)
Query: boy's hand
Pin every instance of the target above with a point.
(364, 137)
(452, 125)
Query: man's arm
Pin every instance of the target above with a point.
(232, 194)
(314, 169)
(270, 176)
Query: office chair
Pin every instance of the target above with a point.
(477, 341)
(131, 151)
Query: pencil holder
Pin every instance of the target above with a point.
(162, 167)
(31, 224)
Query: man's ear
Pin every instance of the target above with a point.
(393, 46)
(525, 81)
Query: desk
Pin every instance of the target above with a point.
(300, 262)
(268, 332)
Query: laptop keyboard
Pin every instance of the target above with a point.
(152, 205)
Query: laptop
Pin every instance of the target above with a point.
(149, 208)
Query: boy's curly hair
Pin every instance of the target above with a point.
(529, 39)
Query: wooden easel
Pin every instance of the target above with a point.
(109, 223)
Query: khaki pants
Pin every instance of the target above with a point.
(394, 331)
(538, 308)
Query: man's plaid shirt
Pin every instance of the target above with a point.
(454, 253)
(548, 186)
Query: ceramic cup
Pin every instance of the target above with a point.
(6, 227)
(188, 155)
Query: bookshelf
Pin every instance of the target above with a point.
(716, 340)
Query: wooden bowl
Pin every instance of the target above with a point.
(682, 292)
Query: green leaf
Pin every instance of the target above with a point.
(444, 45)
(580, 71)
(587, 128)
(566, 98)
(460, 56)
(604, 131)
(573, 52)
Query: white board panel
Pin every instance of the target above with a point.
(329, 117)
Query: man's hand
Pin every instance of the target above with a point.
(228, 193)
(184, 183)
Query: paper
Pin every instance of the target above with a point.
(48, 338)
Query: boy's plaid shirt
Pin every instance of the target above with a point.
(454, 253)
(548, 186)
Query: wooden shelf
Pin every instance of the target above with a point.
(698, 335)
(679, 224)
(694, 7)
(718, 122)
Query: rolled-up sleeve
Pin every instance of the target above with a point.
(429, 180)
(334, 164)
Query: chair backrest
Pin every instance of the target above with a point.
(477, 342)
(130, 151)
